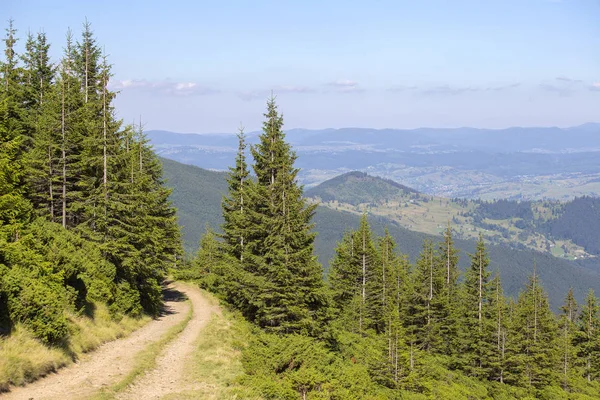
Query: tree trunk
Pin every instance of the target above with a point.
(64, 159)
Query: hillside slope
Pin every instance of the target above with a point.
(197, 194)
(566, 229)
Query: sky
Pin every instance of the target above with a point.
(209, 66)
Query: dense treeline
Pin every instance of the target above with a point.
(380, 327)
(84, 217)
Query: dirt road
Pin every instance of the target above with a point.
(114, 360)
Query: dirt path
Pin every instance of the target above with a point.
(169, 375)
(112, 361)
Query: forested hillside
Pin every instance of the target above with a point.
(197, 194)
(85, 222)
(381, 326)
(567, 230)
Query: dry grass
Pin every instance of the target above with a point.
(24, 359)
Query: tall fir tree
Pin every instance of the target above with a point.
(15, 210)
(587, 337)
(428, 284)
(476, 346)
(289, 293)
(447, 304)
(235, 226)
(497, 331)
(535, 334)
(567, 329)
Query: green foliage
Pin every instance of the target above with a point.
(84, 216)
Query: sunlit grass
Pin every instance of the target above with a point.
(24, 359)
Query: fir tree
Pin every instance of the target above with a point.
(447, 304)
(497, 331)
(587, 337)
(235, 227)
(289, 292)
(476, 346)
(535, 334)
(428, 286)
(567, 328)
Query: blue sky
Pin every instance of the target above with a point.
(207, 66)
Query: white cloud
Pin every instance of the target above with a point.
(163, 87)
(345, 86)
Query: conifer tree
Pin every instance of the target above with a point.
(497, 331)
(289, 292)
(587, 337)
(15, 210)
(535, 333)
(428, 286)
(87, 64)
(235, 227)
(356, 280)
(476, 346)
(567, 328)
(395, 300)
(447, 304)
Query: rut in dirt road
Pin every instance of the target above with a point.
(168, 377)
(114, 360)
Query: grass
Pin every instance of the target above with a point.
(145, 360)
(217, 360)
(24, 359)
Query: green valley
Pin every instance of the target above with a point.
(534, 225)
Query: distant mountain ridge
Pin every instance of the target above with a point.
(517, 163)
(515, 139)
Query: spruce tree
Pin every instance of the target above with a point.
(587, 337)
(289, 292)
(15, 210)
(447, 304)
(567, 328)
(235, 226)
(428, 284)
(535, 333)
(497, 331)
(476, 348)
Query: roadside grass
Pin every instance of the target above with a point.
(24, 359)
(145, 360)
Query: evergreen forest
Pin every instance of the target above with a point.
(86, 225)
(85, 221)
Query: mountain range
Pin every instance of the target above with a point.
(513, 163)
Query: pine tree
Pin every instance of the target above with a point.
(497, 329)
(289, 292)
(15, 210)
(587, 337)
(356, 280)
(567, 328)
(428, 287)
(535, 333)
(475, 343)
(447, 304)
(209, 252)
(235, 227)
(87, 64)
(395, 301)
